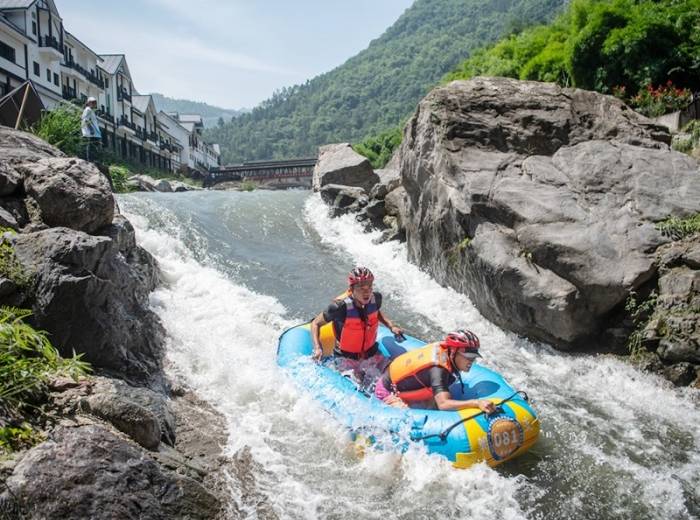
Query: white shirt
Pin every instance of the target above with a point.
(89, 125)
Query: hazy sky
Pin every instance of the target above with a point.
(230, 53)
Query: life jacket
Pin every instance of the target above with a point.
(408, 365)
(359, 335)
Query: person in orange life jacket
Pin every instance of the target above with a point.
(355, 319)
(421, 378)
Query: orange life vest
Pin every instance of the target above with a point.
(359, 335)
(411, 363)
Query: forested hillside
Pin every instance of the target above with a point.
(209, 113)
(376, 89)
(644, 51)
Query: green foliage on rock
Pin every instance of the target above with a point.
(679, 228)
(602, 45)
(10, 266)
(61, 128)
(27, 362)
(379, 149)
(378, 88)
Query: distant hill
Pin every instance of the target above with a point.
(379, 87)
(210, 114)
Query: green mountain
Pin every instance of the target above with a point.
(379, 87)
(210, 114)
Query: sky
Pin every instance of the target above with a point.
(228, 53)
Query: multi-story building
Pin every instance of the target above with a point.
(174, 138)
(35, 46)
(31, 47)
(201, 156)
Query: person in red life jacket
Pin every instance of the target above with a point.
(421, 378)
(355, 317)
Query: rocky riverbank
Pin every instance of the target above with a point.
(563, 214)
(127, 442)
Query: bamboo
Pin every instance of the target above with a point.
(21, 108)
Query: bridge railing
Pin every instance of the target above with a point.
(261, 170)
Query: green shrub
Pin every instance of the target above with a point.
(27, 362)
(119, 174)
(61, 128)
(248, 185)
(380, 148)
(641, 313)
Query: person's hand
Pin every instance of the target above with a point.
(395, 401)
(486, 406)
(397, 331)
(317, 354)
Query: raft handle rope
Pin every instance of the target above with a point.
(443, 434)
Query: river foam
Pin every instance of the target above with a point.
(616, 443)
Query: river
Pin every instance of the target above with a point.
(241, 267)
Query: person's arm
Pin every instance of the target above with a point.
(440, 380)
(316, 325)
(392, 327)
(444, 401)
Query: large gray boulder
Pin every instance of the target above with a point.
(539, 202)
(88, 472)
(21, 147)
(91, 294)
(141, 413)
(340, 164)
(68, 192)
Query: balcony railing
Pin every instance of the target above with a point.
(50, 41)
(106, 116)
(87, 74)
(152, 136)
(123, 94)
(124, 121)
(69, 93)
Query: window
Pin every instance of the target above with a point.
(7, 52)
(48, 75)
(34, 28)
(37, 70)
(55, 79)
(106, 83)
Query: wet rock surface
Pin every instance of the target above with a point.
(112, 447)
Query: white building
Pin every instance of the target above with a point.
(31, 47)
(35, 46)
(201, 156)
(175, 138)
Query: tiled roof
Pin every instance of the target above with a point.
(15, 4)
(187, 126)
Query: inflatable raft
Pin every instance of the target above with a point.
(465, 437)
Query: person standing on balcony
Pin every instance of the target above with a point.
(90, 127)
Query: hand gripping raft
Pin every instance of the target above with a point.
(464, 437)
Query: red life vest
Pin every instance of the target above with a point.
(408, 365)
(359, 335)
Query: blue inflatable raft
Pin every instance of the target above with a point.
(465, 437)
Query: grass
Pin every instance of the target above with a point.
(679, 228)
(688, 138)
(10, 266)
(27, 362)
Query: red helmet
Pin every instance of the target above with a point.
(359, 275)
(465, 340)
